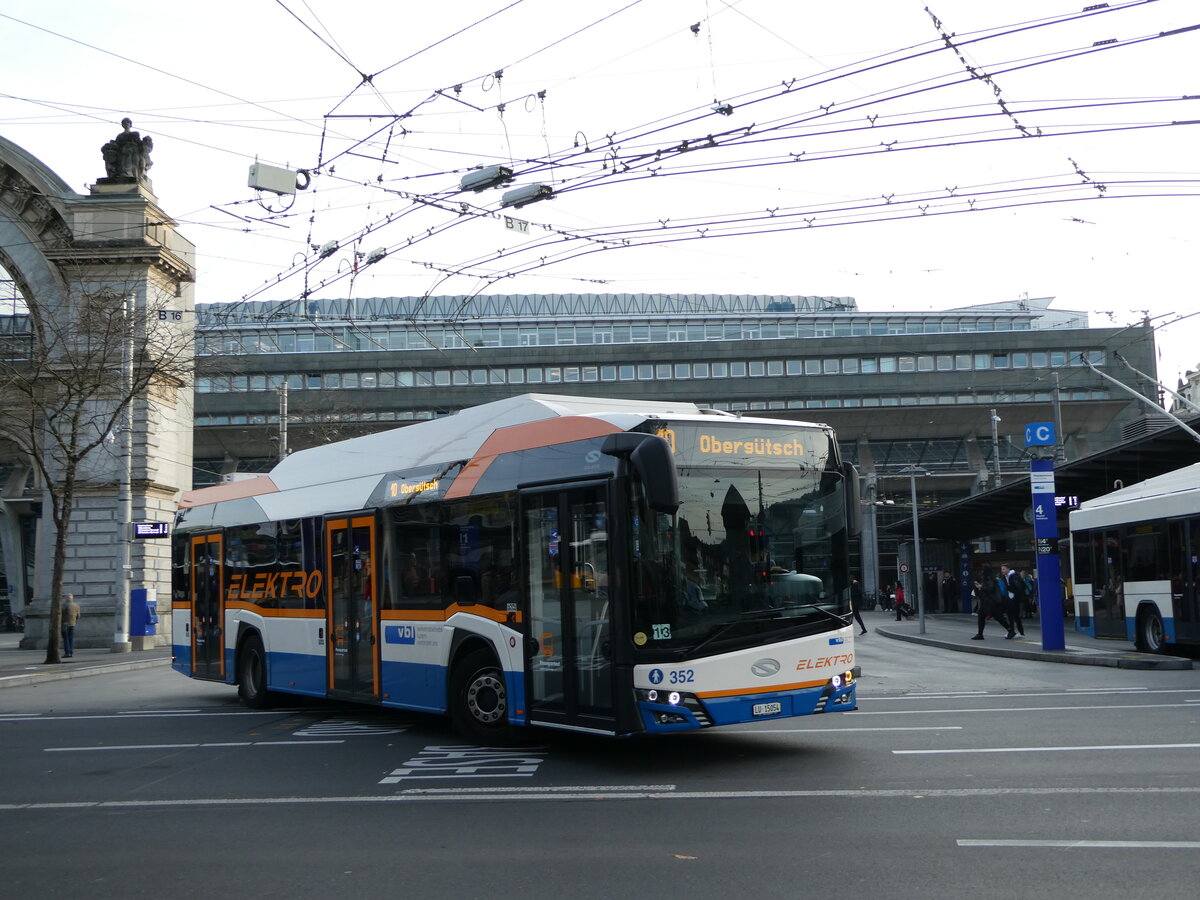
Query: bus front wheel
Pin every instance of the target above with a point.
(479, 700)
(1151, 637)
(252, 674)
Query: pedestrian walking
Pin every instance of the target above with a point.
(856, 596)
(70, 615)
(1031, 591)
(1015, 596)
(990, 601)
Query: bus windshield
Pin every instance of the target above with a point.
(755, 549)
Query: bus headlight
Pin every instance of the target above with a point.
(836, 681)
(652, 695)
(673, 698)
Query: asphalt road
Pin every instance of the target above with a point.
(960, 776)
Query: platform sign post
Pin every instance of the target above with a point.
(1045, 535)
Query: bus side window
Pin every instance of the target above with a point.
(411, 555)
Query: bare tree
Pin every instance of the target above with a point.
(67, 382)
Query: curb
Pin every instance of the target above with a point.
(1071, 657)
(49, 673)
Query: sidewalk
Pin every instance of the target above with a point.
(954, 632)
(21, 667)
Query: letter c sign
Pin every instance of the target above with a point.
(1040, 434)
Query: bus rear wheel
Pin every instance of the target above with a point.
(1151, 637)
(479, 700)
(252, 674)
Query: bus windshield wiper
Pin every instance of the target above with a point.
(712, 636)
(823, 611)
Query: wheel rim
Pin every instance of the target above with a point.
(486, 699)
(250, 676)
(1154, 632)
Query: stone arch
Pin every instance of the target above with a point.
(32, 222)
(59, 247)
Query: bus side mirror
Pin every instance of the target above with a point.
(651, 458)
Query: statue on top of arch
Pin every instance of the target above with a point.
(128, 154)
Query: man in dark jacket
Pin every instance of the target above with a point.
(990, 602)
(856, 599)
(1016, 598)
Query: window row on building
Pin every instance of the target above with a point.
(679, 371)
(367, 336)
(408, 415)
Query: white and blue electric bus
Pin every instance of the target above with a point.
(1134, 562)
(609, 566)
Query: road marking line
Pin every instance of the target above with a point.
(1089, 845)
(154, 715)
(415, 777)
(191, 746)
(1007, 709)
(1074, 692)
(834, 730)
(492, 796)
(1051, 749)
(550, 789)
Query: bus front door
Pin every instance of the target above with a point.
(570, 675)
(1108, 588)
(1184, 570)
(353, 619)
(208, 610)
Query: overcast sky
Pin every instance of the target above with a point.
(864, 148)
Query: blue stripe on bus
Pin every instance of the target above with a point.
(418, 686)
(1168, 623)
(515, 682)
(296, 673)
(423, 687)
(740, 710)
(413, 686)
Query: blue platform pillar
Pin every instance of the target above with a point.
(1045, 536)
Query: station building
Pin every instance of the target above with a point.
(947, 392)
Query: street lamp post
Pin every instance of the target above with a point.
(870, 537)
(995, 448)
(912, 472)
(870, 542)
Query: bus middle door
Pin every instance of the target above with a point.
(208, 607)
(570, 676)
(353, 618)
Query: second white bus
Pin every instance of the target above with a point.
(1134, 562)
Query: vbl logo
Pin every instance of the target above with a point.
(400, 634)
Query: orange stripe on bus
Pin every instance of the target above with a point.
(441, 615)
(271, 612)
(543, 433)
(235, 490)
(769, 689)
